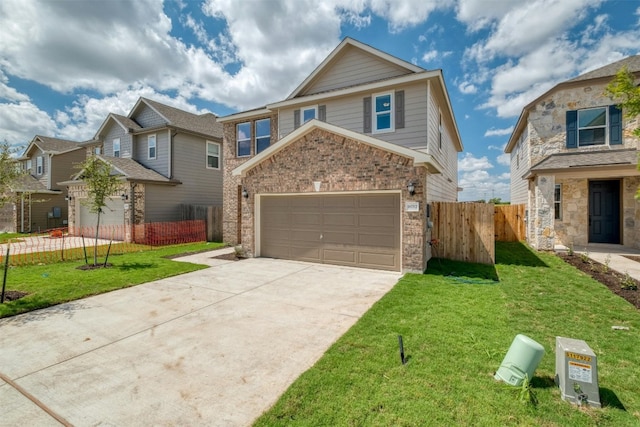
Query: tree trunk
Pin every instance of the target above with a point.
(95, 245)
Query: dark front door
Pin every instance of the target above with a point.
(604, 211)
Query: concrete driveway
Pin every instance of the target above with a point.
(213, 347)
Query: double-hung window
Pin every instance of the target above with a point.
(309, 113)
(151, 145)
(243, 139)
(263, 134)
(383, 112)
(557, 202)
(116, 147)
(213, 155)
(592, 126)
(27, 166)
(39, 165)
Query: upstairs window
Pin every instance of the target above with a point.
(263, 134)
(116, 147)
(213, 155)
(243, 139)
(383, 112)
(27, 165)
(309, 113)
(440, 130)
(98, 150)
(39, 165)
(151, 145)
(592, 127)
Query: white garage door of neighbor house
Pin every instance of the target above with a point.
(360, 230)
(113, 214)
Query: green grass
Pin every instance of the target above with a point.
(60, 282)
(457, 324)
(4, 237)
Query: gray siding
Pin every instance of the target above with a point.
(519, 185)
(200, 186)
(148, 118)
(354, 67)
(64, 166)
(347, 113)
(114, 132)
(141, 151)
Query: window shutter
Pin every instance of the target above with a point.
(399, 109)
(366, 104)
(322, 113)
(615, 125)
(572, 129)
(296, 119)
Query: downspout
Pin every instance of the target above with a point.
(170, 155)
(30, 213)
(22, 212)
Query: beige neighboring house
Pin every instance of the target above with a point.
(342, 170)
(165, 158)
(574, 164)
(39, 203)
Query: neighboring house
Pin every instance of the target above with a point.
(343, 169)
(39, 200)
(165, 157)
(573, 164)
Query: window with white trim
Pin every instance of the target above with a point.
(151, 146)
(27, 165)
(592, 126)
(116, 147)
(39, 165)
(557, 202)
(440, 130)
(243, 139)
(263, 134)
(98, 150)
(213, 155)
(383, 112)
(309, 113)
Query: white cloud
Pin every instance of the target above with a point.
(497, 148)
(20, 121)
(471, 163)
(430, 55)
(467, 88)
(504, 159)
(406, 13)
(499, 132)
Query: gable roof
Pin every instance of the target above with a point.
(50, 145)
(419, 158)
(205, 124)
(127, 124)
(28, 184)
(604, 73)
(128, 170)
(347, 43)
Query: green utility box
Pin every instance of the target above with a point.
(577, 372)
(521, 361)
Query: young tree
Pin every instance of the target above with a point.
(101, 184)
(624, 90)
(9, 172)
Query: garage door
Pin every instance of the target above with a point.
(357, 230)
(111, 220)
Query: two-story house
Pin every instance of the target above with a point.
(165, 157)
(574, 164)
(39, 201)
(342, 171)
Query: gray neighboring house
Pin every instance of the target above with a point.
(165, 157)
(39, 202)
(574, 164)
(343, 170)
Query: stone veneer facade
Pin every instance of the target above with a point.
(546, 129)
(342, 165)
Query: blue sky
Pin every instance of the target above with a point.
(65, 64)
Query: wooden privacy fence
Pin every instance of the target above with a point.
(212, 215)
(509, 223)
(464, 231)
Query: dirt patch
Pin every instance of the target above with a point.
(632, 257)
(230, 256)
(616, 282)
(93, 266)
(13, 295)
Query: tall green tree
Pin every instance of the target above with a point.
(101, 184)
(10, 171)
(624, 91)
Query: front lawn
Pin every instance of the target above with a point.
(60, 282)
(457, 324)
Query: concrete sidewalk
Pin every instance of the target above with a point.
(212, 347)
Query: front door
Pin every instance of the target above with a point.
(604, 212)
